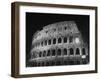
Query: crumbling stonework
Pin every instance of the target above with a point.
(59, 43)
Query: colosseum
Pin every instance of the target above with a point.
(59, 43)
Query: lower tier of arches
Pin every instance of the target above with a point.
(59, 62)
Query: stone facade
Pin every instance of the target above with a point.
(59, 43)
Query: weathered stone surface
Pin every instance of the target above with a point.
(59, 43)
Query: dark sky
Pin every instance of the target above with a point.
(35, 21)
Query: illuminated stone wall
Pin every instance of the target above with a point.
(59, 43)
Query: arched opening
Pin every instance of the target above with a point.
(59, 40)
(40, 54)
(45, 42)
(65, 39)
(53, 52)
(48, 53)
(49, 42)
(70, 39)
(65, 51)
(59, 52)
(83, 51)
(54, 41)
(77, 51)
(42, 43)
(44, 53)
(71, 51)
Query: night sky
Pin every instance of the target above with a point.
(36, 21)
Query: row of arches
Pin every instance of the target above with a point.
(61, 28)
(54, 41)
(62, 52)
(62, 62)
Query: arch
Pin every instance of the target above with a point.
(65, 39)
(59, 52)
(49, 42)
(59, 40)
(40, 54)
(70, 39)
(77, 51)
(54, 41)
(83, 51)
(42, 43)
(44, 53)
(65, 51)
(53, 52)
(48, 53)
(45, 42)
(71, 51)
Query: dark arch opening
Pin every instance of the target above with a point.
(48, 53)
(49, 42)
(42, 43)
(65, 51)
(40, 54)
(71, 51)
(45, 42)
(59, 40)
(54, 41)
(70, 39)
(53, 52)
(83, 51)
(59, 52)
(44, 53)
(77, 51)
(65, 39)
